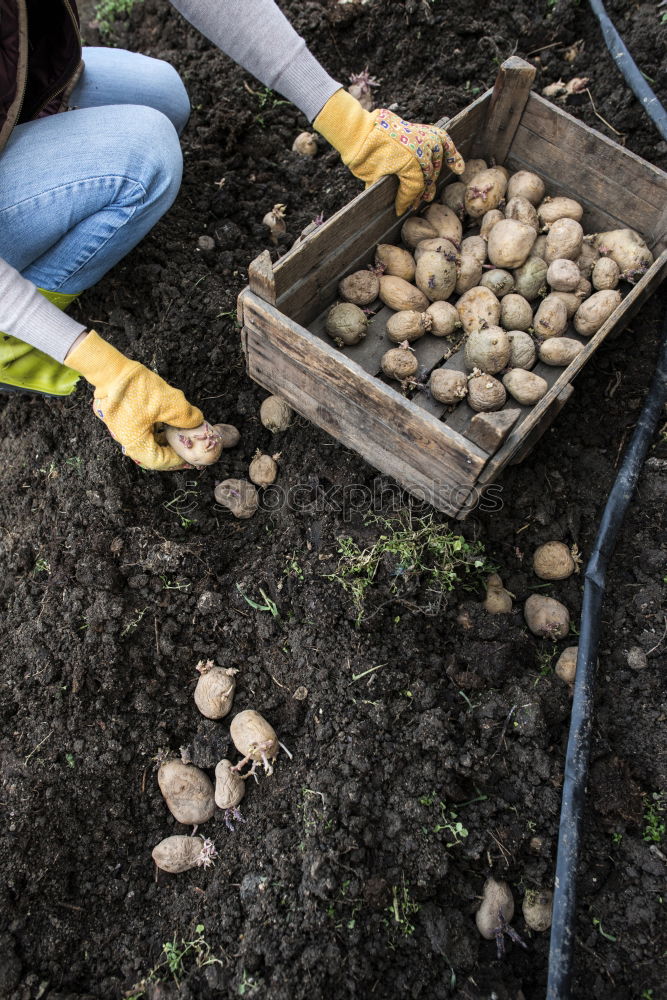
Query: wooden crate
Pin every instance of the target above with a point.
(436, 454)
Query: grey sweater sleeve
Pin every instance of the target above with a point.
(26, 314)
(257, 36)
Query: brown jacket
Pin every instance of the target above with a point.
(40, 59)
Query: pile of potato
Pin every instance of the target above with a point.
(512, 281)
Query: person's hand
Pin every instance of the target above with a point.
(131, 399)
(376, 143)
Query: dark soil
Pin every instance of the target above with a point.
(116, 582)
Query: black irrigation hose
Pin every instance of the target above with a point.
(570, 833)
(629, 69)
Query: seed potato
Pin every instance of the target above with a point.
(408, 325)
(539, 248)
(566, 665)
(448, 386)
(445, 222)
(500, 282)
(526, 184)
(546, 617)
(588, 257)
(415, 229)
(180, 853)
(361, 288)
(628, 249)
(515, 312)
(275, 414)
(550, 320)
(571, 301)
(198, 446)
(487, 349)
(444, 319)
(536, 907)
(564, 241)
(485, 393)
(187, 791)
(595, 311)
(559, 351)
(485, 191)
(215, 689)
(477, 308)
(606, 274)
(472, 169)
(530, 278)
(468, 273)
(522, 210)
(475, 246)
(498, 600)
(395, 261)
(254, 738)
(526, 387)
(346, 323)
(229, 785)
(399, 363)
(399, 294)
(553, 561)
(305, 144)
(238, 496)
(563, 275)
(522, 349)
(454, 197)
(489, 220)
(435, 276)
(553, 209)
(509, 243)
(228, 434)
(263, 469)
(439, 244)
(497, 899)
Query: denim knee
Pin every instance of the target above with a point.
(152, 154)
(176, 101)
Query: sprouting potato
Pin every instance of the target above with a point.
(553, 561)
(539, 248)
(275, 222)
(500, 282)
(415, 229)
(400, 363)
(473, 167)
(564, 241)
(198, 446)
(530, 278)
(448, 386)
(228, 434)
(526, 184)
(468, 273)
(588, 257)
(571, 301)
(496, 910)
(606, 274)
(595, 311)
(536, 908)
(395, 261)
(255, 739)
(275, 414)
(361, 288)
(229, 792)
(526, 387)
(435, 276)
(263, 469)
(546, 617)
(445, 222)
(408, 325)
(485, 393)
(477, 308)
(584, 288)
(550, 320)
(487, 349)
(489, 220)
(399, 294)
(215, 689)
(444, 319)
(627, 248)
(239, 496)
(180, 853)
(566, 665)
(522, 349)
(509, 243)
(522, 210)
(485, 191)
(346, 323)
(515, 312)
(553, 209)
(454, 197)
(475, 246)
(305, 144)
(187, 791)
(439, 244)
(563, 275)
(498, 600)
(559, 351)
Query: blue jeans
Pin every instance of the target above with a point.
(79, 190)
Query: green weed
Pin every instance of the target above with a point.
(179, 958)
(654, 818)
(268, 604)
(403, 909)
(108, 11)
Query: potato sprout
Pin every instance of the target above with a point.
(254, 738)
(180, 853)
(187, 791)
(215, 689)
(198, 446)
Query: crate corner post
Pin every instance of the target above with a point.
(508, 100)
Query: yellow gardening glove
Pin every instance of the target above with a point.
(376, 143)
(131, 399)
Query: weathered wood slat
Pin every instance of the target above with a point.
(508, 100)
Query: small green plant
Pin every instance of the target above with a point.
(654, 818)
(174, 584)
(411, 548)
(179, 958)
(598, 923)
(107, 11)
(42, 566)
(647, 994)
(267, 101)
(248, 985)
(293, 567)
(76, 463)
(446, 822)
(181, 504)
(69, 757)
(616, 838)
(403, 909)
(134, 622)
(544, 661)
(268, 604)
